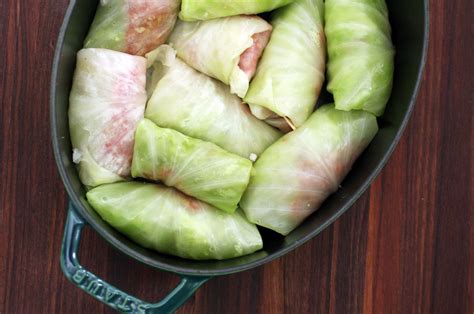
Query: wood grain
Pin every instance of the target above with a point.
(407, 246)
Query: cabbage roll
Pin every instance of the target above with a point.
(168, 221)
(297, 173)
(192, 10)
(106, 102)
(132, 26)
(361, 54)
(201, 107)
(291, 72)
(197, 168)
(227, 49)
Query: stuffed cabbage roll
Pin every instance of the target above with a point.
(197, 168)
(201, 107)
(192, 10)
(227, 49)
(132, 26)
(168, 221)
(361, 54)
(106, 103)
(297, 173)
(291, 73)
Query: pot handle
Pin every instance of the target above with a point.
(108, 294)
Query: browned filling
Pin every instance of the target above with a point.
(249, 58)
(150, 24)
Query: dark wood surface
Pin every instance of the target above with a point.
(407, 246)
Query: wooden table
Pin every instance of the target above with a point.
(407, 246)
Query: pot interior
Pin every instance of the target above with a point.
(409, 31)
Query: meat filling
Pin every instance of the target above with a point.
(249, 58)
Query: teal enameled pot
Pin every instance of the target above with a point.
(409, 19)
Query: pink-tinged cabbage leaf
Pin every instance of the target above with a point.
(297, 173)
(106, 102)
